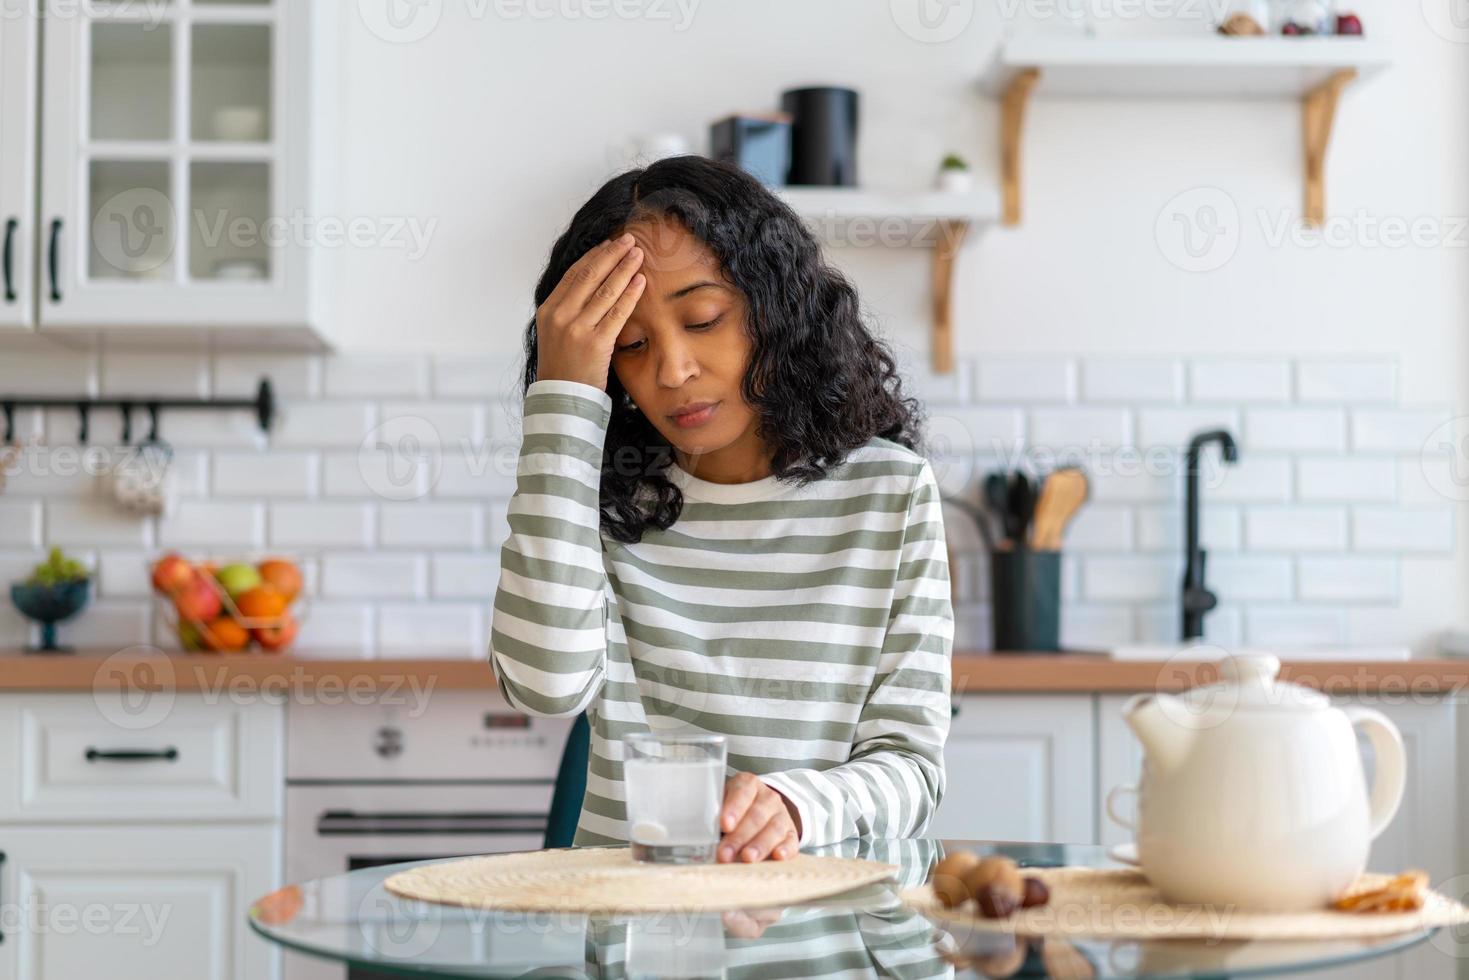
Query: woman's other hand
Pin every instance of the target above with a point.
(578, 324)
(756, 822)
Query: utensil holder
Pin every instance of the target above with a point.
(1025, 590)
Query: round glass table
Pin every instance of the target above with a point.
(351, 919)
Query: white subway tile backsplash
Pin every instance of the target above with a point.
(920, 381)
(1006, 379)
(1288, 626)
(366, 575)
(1236, 578)
(17, 565)
(988, 431)
(20, 524)
(1239, 381)
(1071, 430)
(321, 525)
(213, 524)
(150, 372)
(477, 376)
(1174, 427)
(109, 623)
(1132, 381)
(203, 429)
(497, 524)
(1294, 429)
(377, 473)
(1137, 478)
(1251, 479)
(1163, 624)
(324, 424)
(432, 630)
(429, 525)
(292, 376)
(1348, 578)
(1402, 430)
(1432, 479)
(52, 372)
(466, 576)
(1100, 527)
(93, 523)
(330, 628)
(59, 471)
(1091, 627)
(1392, 529)
(277, 474)
(1130, 579)
(376, 376)
(1347, 381)
(124, 575)
(447, 425)
(1296, 529)
(1347, 478)
(1161, 528)
(487, 471)
(973, 630)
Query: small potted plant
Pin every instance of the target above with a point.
(954, 175)
(57, 589)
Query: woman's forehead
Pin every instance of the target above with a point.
(671, 251)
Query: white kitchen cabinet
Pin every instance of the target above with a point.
(19, 37)
(181, 151)
(1424, 834)
(1019, 768)
(131, 903)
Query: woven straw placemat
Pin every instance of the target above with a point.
(607, 879)
(1109, 902)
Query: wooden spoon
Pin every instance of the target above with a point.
(1061, 496)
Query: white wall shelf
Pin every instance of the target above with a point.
(940, 220)
(1313, 70)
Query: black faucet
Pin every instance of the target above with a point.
(1198, 600)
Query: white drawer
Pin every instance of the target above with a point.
(97, 756)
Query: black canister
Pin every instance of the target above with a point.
(823, 135)
(1025, 588)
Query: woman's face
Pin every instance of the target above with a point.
(686, 344)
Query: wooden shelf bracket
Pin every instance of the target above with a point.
(1012, 126)
(1318, 112)
(945, 258)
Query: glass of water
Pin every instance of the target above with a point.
(675, 787)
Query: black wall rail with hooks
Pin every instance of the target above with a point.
(263, 405)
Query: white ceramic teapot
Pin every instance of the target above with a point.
(1253, 791)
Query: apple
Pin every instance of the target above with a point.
(190, 638)
(1349, 24)
(237, 579)
(172, 573)
(198, 601)
(279, 636)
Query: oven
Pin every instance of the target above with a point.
(460, 773)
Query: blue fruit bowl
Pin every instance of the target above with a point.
(49, 605)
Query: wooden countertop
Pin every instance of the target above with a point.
(976, 672)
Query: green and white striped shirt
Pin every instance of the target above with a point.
(811, 626)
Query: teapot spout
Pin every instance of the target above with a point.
(1160, 722)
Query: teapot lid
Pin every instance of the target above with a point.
(1250, 681)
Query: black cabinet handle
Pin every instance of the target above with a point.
(132, 755)
(2, 879)
(9, 261)
(55, 260)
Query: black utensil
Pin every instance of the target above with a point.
(1020, 505)
(997, 497)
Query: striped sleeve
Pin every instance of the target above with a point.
(548, 636)
(893, 779)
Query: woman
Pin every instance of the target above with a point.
(722, 521)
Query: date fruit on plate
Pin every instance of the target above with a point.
(994, 884)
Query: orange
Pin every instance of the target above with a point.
(282, 575)
(225, 635)
(261, 602)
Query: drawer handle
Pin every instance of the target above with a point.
(10, 227)
(169, 754)
(2, 878)
(55, 260)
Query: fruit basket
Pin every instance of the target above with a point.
(230, 605)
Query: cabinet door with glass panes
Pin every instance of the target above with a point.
(18, 49)
(174, 137)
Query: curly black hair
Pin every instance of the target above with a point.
(820, 383)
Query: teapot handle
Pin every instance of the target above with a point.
(1390, 778)
(1114, 811)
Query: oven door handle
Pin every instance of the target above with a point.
(347, 823)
